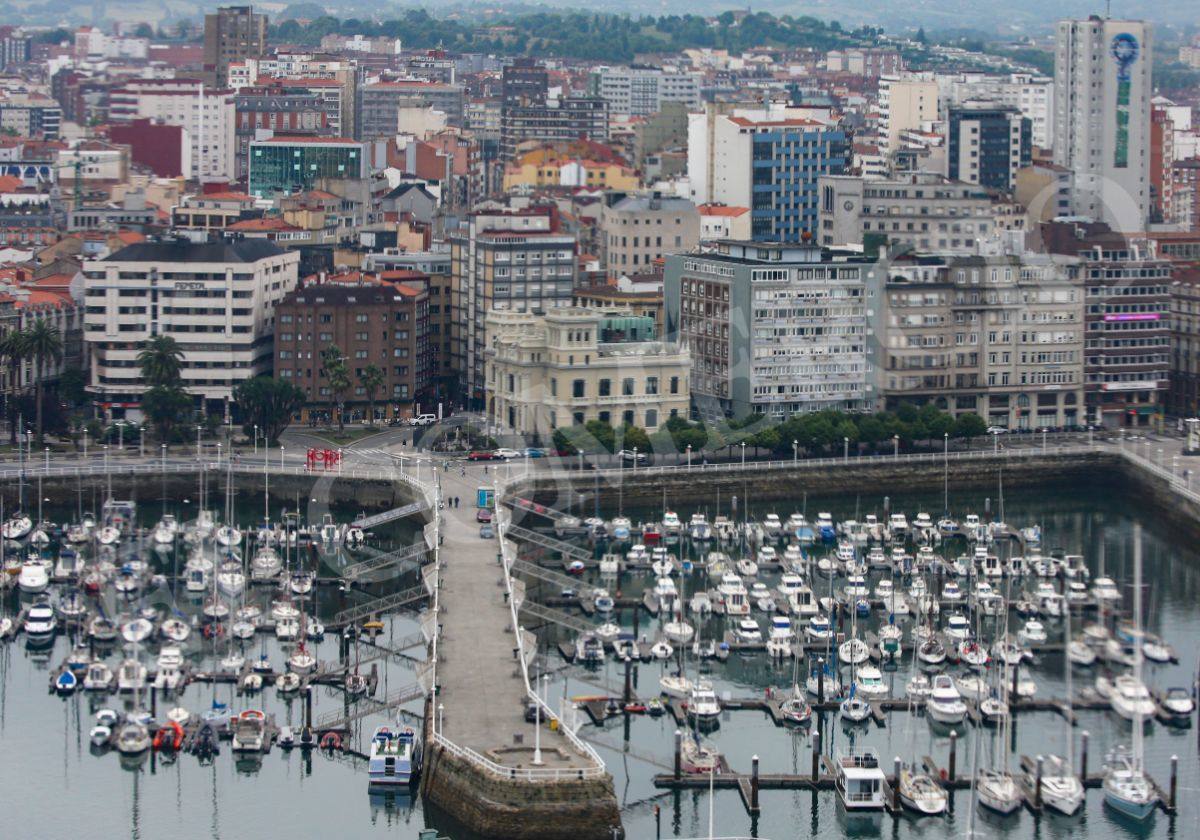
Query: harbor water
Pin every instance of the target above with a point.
(52, 773)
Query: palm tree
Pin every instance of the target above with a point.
(333, 367)
(161, 361)
(371, 380)
(43, 342)
(12, 355)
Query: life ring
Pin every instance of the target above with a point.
(331, 741)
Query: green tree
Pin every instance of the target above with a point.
(371, 380)
(12, 356)
(634, 437)
(604, 435)
(161, 361)
(72, 387)
(969, 426)
(164, 406)
(333, 368)
(267, 403)
(43, 343)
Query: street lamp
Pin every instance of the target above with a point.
(85, 437)
(895, 446)
(846, 448)
(163, 446)
(1043, 438)
(142, 442)
(47, 459)
(689, 455)
(743, 453)
(281, 456)
(945, 446)
(199, 428)
(256, 439)
(635, 459)
(795, 451)
(537, 730)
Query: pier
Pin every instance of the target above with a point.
(502, 776)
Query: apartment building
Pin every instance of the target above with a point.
(285, 164)
(517, 261)
(1127, 320)
(372, 323)
(274, 109)
(217, 299)
(987, 145)
(553, 370)
(1102, 92)
(1032, 95)
(381, 103)
(639, 230)
(212, 211)
(552, 121)
(641, 91)
(1001, 336)
(232, 34)
(1184, 396)
(924, 211)
(333, 78)
(907, 101)
(772, 328)
(30, 115)
(767, 163)
(207, 116)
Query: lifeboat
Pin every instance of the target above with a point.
(168, 737)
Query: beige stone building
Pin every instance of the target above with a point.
(639, 230)
(998, 336)
(549, 371)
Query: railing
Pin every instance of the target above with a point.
(1180, 483)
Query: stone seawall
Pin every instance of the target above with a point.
(842, 478)
(485, 806)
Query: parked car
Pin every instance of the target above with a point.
(423, 420)
(483, 515)
(481, 455)
(997, 430)
(534, 452)
(487, 532)
(503, 454)
(629, 455)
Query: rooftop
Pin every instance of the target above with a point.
(184, 251)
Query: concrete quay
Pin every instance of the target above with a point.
(480, 754)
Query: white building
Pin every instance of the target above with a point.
(906, 101)
(207, 116)
(1102, 118)
(640, 91)
(217, 299)
(551, 371)
(1032, 95)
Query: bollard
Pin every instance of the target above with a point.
(678, 756)
(1037, 781)
(754, 783)
(952, 769)
(816, 754)
(153, 701)
(1083, 757)
(308, 707)
(628, 680)
(1015, 674)
(896, 784)
(657, 823)
(1174, 779)
(820, 680)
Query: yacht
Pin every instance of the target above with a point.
(1128, 695)
(860, 781)
(898, 526)
(748, 632)
(818, 628)
(945, 704)
(1127, 788)
(699, 529)
(395, 757)
(34, 576)
(779, 642)
(1105, 591)
(803, 602)
(998, 791)
(869, 684)
(249, 731)
(1061, 788)
(40, 623)
(166, 530)
(733, 595)
(703, 705)
(772, 527)
(920, 793)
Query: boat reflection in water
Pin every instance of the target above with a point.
(390, 806)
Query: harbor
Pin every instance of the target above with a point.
(615, 722)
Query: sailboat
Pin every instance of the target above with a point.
(1126, 786)
(996, 788)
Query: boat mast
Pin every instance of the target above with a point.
(1138, 722)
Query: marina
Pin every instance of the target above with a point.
(327, 713)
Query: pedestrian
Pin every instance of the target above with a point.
(485, 469)
(464, 471)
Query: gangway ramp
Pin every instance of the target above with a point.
(566, 549)
(380, 606)
(365, 706)
(386, 516)
(532, 609)
(410, 557)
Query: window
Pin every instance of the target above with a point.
(627, 387)
(674, 384)
(605, 387)
(651, 385)
(651, 418)
(577, 388)
(628, 418)
(553, 392)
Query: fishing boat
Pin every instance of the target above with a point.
(395, 758)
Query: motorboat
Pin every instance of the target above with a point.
(610, 564)
(765, 555)
(972, 686)
(678, 631)
(131, 676)
(589, 650)
(771, 526)
(34, 576)
(826, 531)
(98, 677)
(973, 654)
(818, 628)
(1179, 705)
(667, 593)
(166, 530)
(780, 638)
(860, 781)
(945, 704)
(603, 601)
(698, 528)
(733, 595)
(266, 563)
(1033, 633)
(703, 705)
(993, 710)
(287, 628)
(133, 739)
(897, 526)
(869, 684)
(137, 630)
(920, 793)
(891, 638)
(1128, 695)
(102, 630)
(1061, 788)
(40, 623)
(249, 731)
(169, 674)
(958, 628)
(1106, 591)
(918, 687)
(637, 554)
(747, 632)
(671, 526)
(952, 592)
(620, 528)
(1081, 653)
(395, 758)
